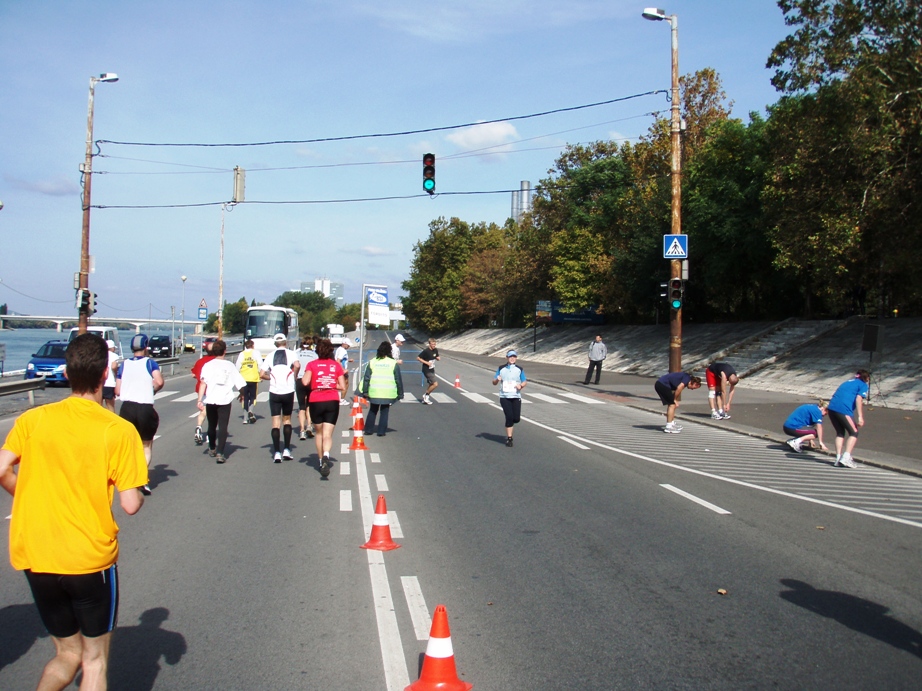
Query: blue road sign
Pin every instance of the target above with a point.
(203, 313)
(675, 247)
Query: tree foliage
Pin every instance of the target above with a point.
(814, 210)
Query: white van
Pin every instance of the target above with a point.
(107, 333)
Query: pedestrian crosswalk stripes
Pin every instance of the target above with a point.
(476, 397)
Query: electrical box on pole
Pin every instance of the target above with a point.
(239, 184)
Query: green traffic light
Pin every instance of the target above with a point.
(428, 184)
(676, 304)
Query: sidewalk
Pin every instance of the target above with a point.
(890, 438)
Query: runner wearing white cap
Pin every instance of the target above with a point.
(395, 348)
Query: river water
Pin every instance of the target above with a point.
(22, 343)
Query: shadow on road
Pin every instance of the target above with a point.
(858, 614)
(20, 627)
(134, 660)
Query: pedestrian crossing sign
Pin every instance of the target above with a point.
(675, 247)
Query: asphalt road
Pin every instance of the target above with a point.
(592, 555)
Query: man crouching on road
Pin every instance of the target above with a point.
(72, 455)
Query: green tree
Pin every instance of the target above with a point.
(434, 301)
(852, 70)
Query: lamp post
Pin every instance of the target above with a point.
(675, 321)
(87, 170)
(182, 336)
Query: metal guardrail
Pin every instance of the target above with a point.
(23, 386)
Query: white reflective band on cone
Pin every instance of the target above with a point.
(439, 647)
(380, 519)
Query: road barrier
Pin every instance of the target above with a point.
(23, 386)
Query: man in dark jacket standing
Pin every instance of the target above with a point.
(597, 353)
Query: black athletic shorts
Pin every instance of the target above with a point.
(666, 394)
(842, 424)
(324, 411)
(281, 404)
(68, 604)
(142, 416)
(301, 393)
(108, 393)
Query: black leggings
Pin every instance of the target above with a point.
(512, 407)
(218, 417)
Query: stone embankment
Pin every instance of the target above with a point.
(809, 358)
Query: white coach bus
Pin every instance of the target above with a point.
(264, 321)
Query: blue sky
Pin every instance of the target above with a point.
(242, 72)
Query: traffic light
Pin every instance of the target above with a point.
(91, 303)
(82, 299)
(429, 173)
(676, 293)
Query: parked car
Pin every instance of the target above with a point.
(160, 346)
(188, 347)
(206, 344)
(48, 362)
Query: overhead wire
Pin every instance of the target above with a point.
(377, 135)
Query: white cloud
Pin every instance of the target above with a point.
(493, 136)
(480, 19)
(372, 251)
(60, 186)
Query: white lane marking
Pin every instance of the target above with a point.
(476, 397)
(381, 483)
(346, 434)
(441, 398)
(344, 449)
(396, 676)
(573, 441)
(156, 437)
(419, 613)
(582, 399)
(345, 468)
(723, 478)
(697, 500)
(375, 457)
(345, 500)
(546, 398)
(394, 524)
(185, 399)
(165, 394)
(262, 397)
(193, 415)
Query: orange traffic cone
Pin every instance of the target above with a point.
(457, 381)
(356, 407)
(358, 433)
(380, 529)
(439, 673)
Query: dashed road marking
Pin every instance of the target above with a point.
(697, 500)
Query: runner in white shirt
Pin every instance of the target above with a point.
(281, 369)
(220, 383)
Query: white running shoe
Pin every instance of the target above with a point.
(848, 461)
(671, 429)
(794, 444)
(725, 416)
(278, 457)
(716, 416)
(286, 455)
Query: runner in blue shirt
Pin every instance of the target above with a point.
(804, 425)
(846, 413)
(511, 379)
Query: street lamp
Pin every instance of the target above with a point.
(182, 336)
(87, 170)
(675, 321)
